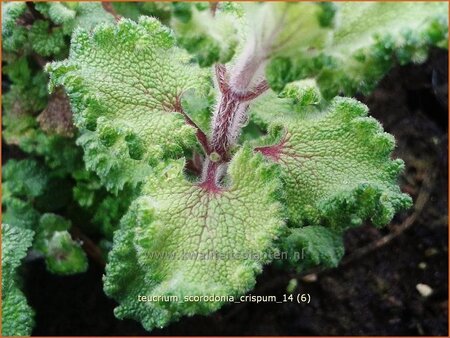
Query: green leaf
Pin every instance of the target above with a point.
(303, 93)
(129, 10)
(19, 212)
(14, 36)
(209, 38)
(160, 10)
(17, 315)
(313, 246)
(15, 243)
(298, 100)
(46, 41)
(369, 39)
(110, 210)
(25, 178)
(288, 29)
(91, 14)
(60, 153)
(86, 188)
(164, 241)
(125, 107)
(55, 11)
(336, 167)
(26, 96)
(22, 182)
(63, 255)
(199, 106)
(70, 16)
(18, 70)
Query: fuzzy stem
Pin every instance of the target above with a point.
(236, 93)
(210, 176)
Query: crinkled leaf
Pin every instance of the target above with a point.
(160, 10)
(313, 246)
(25, 178)
(58, 151)
(17, 316)
(91, 14)
(28, 187)
(105, 209)
(369, 39)
(28, 92)
(297, 100)
(86, 188)
(125, 107)
(18, 71)
(336, 167)
(71, 15)
(63, 255)
(14, 36)
(15, 243)
(57, 12)
(19, 212)
(164, 241)
(45, 40)
(110, 210)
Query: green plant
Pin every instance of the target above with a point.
(214, 170)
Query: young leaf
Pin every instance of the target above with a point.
(126, 107)
(164, 241)
(62, 254)
(336, 167)
(17, 315)
(313, 246)
(210, 38)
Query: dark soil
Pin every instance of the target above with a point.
(373, 292)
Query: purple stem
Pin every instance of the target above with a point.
(227, 123)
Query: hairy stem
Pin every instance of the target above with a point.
(236, 93)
